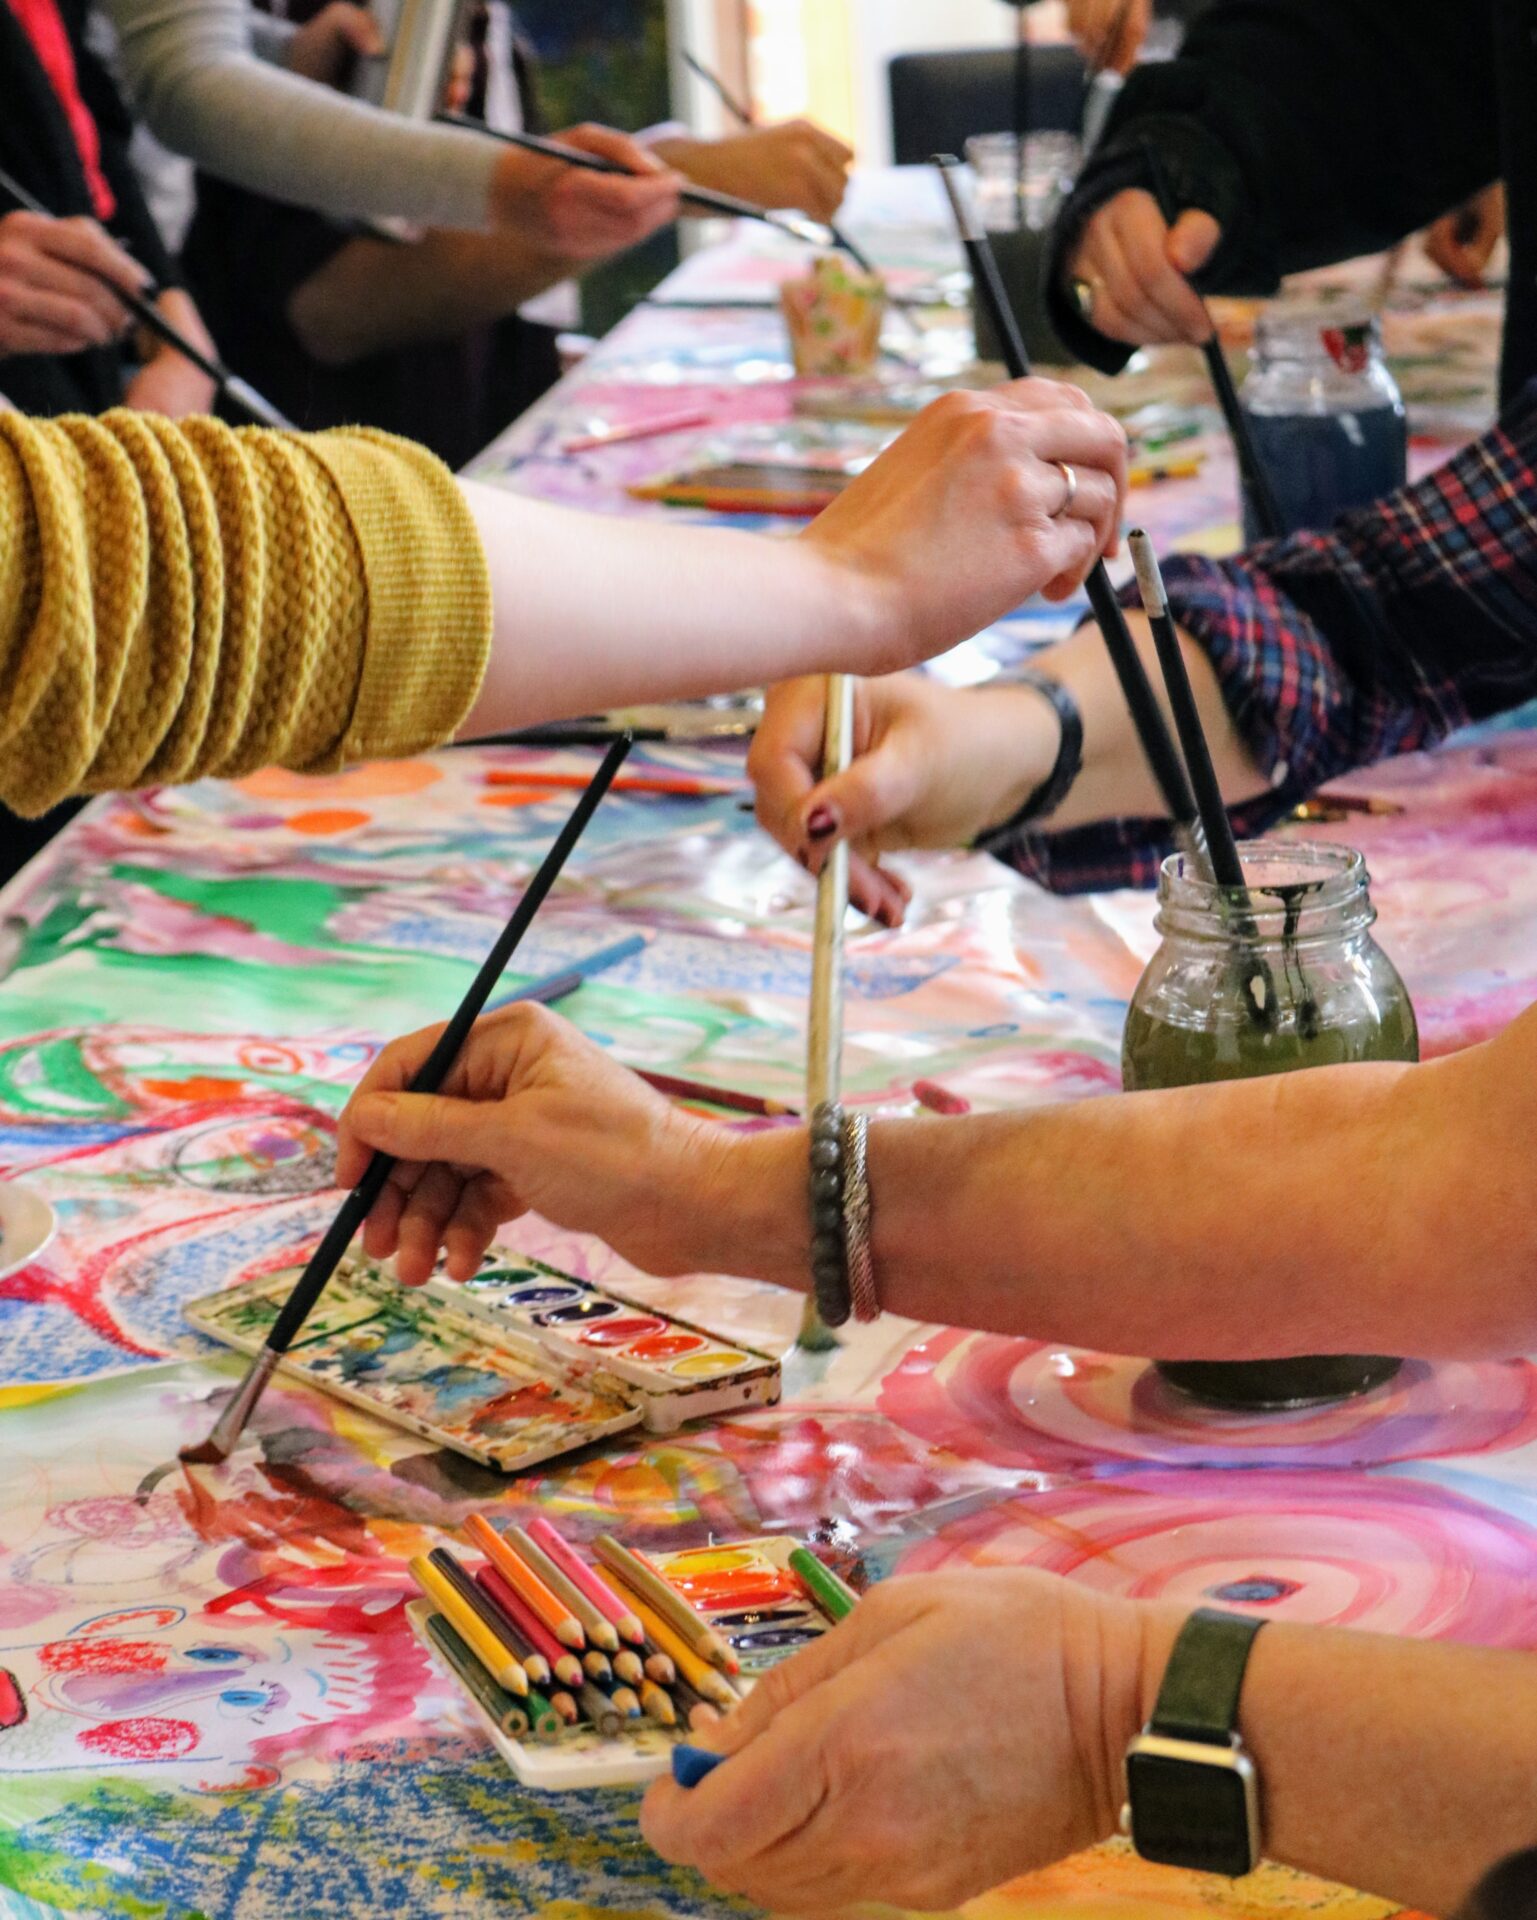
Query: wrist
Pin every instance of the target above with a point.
(1019, 736)
(746, 1208)
(1114, 1654)
(856, 616)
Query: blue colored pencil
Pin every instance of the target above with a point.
(555, 986)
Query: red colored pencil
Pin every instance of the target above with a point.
(698, 785)
(659, 423)
(561, 1661)
(938, 1099)
(521, 1577)
(681, 1089)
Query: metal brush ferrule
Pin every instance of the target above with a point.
(232, 1422)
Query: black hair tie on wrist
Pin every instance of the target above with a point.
(1054, 789)
(829, 1258)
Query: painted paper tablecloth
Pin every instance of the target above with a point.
(211, 1705)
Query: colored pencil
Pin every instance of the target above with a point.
(562, 1663)
(834, 1596)
(599, 1629)
(502, 1707)
(142, 307)
(657, 1704)
(1136, 688)
(690, 1765)
(686, 1699)
(695, 784)
(543, 1720)
(566, 1707)
(482, 1642)
(596, 1667)
(523, 1580)
(659, 1666)
(479, 1601)
(358, 1204)
(1184, 468)
(581, 1574)
(938, 1099)
(629, 1667)
(645, 1583)
(702, 1678)
(657, 425)
(678, 1088)
(600, 1710)
(627, 1701)
(555, 986)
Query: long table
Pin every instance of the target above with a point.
(217, 1707)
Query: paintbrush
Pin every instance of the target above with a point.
(739, 110)
(1267, 511)
(356, 1208)
(824, 1040)
(239, 392)
(1217, 830)
(816, 233)
(1129, 670)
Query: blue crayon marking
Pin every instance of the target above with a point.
(691, 1764)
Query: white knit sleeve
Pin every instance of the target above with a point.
(196, 80)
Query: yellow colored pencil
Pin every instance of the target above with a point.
(644, 1581)
(658, 1704)
(497, 1659)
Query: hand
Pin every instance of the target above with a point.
(962, 517)
(328, 45)
(578, 215)
(794, 164)
(1461, 241)
(1109, 33)
(1138, 270)
(933, 766)
(168, 382)
(956, 1730)
(532, 1116)
(51, 300)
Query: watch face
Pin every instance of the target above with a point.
(1188, 1813)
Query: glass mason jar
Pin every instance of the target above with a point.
(1287, 976)
(1325, 414)
(1019, 210)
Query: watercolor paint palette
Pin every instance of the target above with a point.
(523, 1365)
(678, 1370)
(745, 1589)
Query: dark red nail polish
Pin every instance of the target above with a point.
(823, 821)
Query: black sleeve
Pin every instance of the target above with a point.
(1313, 130)
(132, 224)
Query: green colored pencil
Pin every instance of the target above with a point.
(834, 1596)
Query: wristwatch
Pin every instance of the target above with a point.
(1192, 1793)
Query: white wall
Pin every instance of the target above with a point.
(880, 28)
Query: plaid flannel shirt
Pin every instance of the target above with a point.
(1437, 628)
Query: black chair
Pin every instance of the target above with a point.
(938, 100)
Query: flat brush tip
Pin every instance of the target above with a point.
(208, 1454)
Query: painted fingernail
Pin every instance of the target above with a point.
(821, 823)
(889, 914)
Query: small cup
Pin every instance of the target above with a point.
(834, 316)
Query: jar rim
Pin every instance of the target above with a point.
(1321, 877)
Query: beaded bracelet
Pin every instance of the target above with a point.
(829, 1266)
(856, 1218)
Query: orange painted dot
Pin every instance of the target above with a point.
(517, 797)
(323, 820)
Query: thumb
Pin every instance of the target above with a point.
(872, 793)
(431, 1126)
(1192, 240)
(361, 32)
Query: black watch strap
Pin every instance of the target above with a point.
(1054, 789)
(1201, 1684)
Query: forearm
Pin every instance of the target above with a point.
(204, 93)
(665, 612)
(1402, 1767)
(373, 296)
(1355, 1209)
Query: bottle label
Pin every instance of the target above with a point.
(1350, 348)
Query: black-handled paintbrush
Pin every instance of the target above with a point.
(816, 233)
(149, 316)
(1216, 829)
(1267, 511)
(1137, 689)
(427, 1079)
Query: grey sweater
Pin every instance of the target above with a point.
(195, 76)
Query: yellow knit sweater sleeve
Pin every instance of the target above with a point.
(185, 600)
